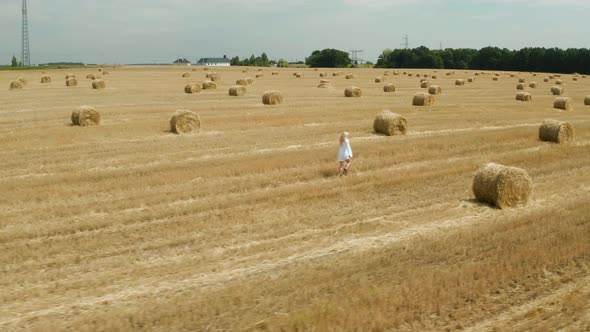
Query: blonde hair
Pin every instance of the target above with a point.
(343, 137)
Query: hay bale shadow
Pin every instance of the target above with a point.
(475, 203)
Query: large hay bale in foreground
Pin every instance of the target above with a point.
(192, 88)
(45, 79)
(563, 103)
(502, 186)
(184, 122)
(587, 100)
(90, 76)
(71, 82)
(524, 96)
(520, 86)
(390, 124)
(353, 91)
(85, 116)
(389, 88)
(460, 82)
(98, 84)
(209, 85)
(557, 90)
(272, 98)
(556, 131)
(16, 85)
(434, 90)
(423, 99)
(186, 74)
(237, 90)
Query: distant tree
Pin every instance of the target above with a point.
(329, 58)
(282, 63)
(235, 61)
(14, 61)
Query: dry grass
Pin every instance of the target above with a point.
(126, 226)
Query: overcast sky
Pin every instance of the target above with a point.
(146, 31)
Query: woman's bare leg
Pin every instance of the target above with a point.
(347, 166)
(341, 168)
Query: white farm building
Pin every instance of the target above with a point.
(215, 62)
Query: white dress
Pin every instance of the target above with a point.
(345, 152)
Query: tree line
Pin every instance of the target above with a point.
(490, 58)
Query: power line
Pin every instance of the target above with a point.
(354, 54)
(406, 43)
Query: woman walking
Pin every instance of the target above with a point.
(344, 154)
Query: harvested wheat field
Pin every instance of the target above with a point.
(244, 224)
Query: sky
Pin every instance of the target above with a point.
(160, 31)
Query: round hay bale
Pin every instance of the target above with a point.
(45, 79)
(587, 100)
(192, 88)
(208, 75)
(434, 77)
(259, 75)
(272, 98)
(215, 78)
(520, 86)
(22, 80)
(512, 75)
(244, 71)
(194, 69)
(91, 76)
(495, 78)
(423, 99)
(389, 88)
(551, 77)
(186, 74)
(70, 75)
(299, 75)
(410, 74)
(335, 74)
(434, 90)
(476, 74)
(260, 69)
(558, 82)
(546, 79)
(71, 82)
(378, 79)
(99, 69)
(274, 73)
(349, 76)
(209, 85)
(85, 116)
(502, 186)
(249, 80)
(563, 103)
(470, 79)
(237, 90)
(242, 81)
(575, 79)
(557, 90)
(323, 74)
(106, 72)
(521, 80)
(323, 85)
(524, 96)
(533, 85)
(16, 85)
(98, 84)
(386, 73)
(390, 124)
(460, 82)
(353, 91)
(184, 122)
(425, 84)
(556, 131)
